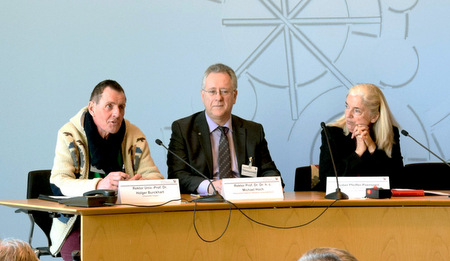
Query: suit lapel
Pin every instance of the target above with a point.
(202, 131)
(240, 141)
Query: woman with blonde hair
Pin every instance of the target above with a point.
(365, 141)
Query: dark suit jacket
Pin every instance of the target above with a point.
(348, 163)
(191, 141)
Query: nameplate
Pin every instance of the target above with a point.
(140, 192)
(252, 188)
(355, 187)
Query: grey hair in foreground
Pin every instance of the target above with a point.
(16, 250)
(327, 254)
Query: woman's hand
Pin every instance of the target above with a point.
(363, 139)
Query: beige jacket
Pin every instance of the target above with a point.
(71, 166)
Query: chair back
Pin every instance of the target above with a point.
(39, 183)
(427, 176)
(306, 178)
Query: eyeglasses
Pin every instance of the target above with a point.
(215, 92)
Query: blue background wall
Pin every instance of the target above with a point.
(295, 61)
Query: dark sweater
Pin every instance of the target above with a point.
(348, 163)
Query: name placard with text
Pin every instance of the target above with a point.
(355, 187)
(148, 191)
(252, 188)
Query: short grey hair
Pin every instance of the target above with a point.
(327, 254)
(220, 68)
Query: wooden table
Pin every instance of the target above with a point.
(410, 228)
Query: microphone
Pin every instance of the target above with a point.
(404, 132)
(215, 197)
(338, 194)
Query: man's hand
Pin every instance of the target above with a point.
(136, 177)
(217, 184)
(111, 181)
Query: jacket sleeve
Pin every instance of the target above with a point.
(137, 157)
(267, 165)
(345, 158)
(383, 164)
(325, 164)
(177, 169)
(144, 163)
(66, 167)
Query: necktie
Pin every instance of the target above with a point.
(224, 154)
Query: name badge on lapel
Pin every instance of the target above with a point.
(249, 170)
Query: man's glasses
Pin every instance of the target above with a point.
(215, 92)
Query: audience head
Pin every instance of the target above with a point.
(366, 105)
(219, 92)
(327, 254)
(16, 250)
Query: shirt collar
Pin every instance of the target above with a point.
(213, 126)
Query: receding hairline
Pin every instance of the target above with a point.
(98, 90)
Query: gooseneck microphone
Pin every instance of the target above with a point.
(338, 194)
(404, 132)
(215, 197)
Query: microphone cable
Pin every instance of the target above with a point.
(229, 216)
(284, 227)
(253, 220)
(226, 227)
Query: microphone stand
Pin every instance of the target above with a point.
(405, 133)
(337, 194)
(215, 197)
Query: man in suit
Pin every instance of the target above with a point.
(215, 142)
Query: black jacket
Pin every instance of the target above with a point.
(191, 141)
